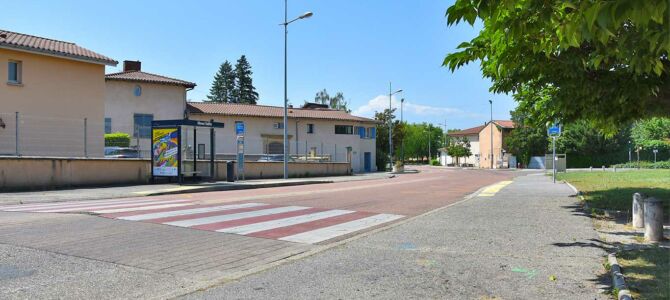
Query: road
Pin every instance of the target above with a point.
(175, 244)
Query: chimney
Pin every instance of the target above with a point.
(132, 65)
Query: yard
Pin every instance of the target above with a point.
(646, 272)
(614, 190)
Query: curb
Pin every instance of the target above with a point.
(234, 187)
(618, 281)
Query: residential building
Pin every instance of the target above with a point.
(134, 98)
(481, 147)
(56, 90)
(315, 132)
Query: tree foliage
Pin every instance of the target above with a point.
(599, 60)
(223, 85)
(244, 92)
(653, 133)
(382, 139)
(459, 148)
(335, 102)
(416, 138)
(526, 140)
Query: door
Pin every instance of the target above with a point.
(367, 161)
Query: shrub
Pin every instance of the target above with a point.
(117, 139)
(434, 162)
(645, 165)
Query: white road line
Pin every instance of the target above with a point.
(29, 207)
(118, 210)
(110, 206)
(237, 216)
(182, 212)
(326, 233)
(262, 226)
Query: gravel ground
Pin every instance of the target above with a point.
(526, 242)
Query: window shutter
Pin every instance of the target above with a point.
(373, 133)
(361, 132)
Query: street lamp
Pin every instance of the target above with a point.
(402, 142)
(429, 152)
(491, 124)
(391, 125)
(286, 22)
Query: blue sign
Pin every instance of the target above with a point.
(554, 130)
(239, 128)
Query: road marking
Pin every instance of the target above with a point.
(493, 189)
(251, 228)
(109, 206)
(319, 235)
(174, 213)
(118, 210)
(229, 217)
(71, 204)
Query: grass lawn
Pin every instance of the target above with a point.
(647, 272)
(610, 190)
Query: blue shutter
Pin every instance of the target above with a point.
(361, 132)
(373, 133)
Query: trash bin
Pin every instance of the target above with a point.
(230, 171)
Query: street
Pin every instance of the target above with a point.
(174, 245)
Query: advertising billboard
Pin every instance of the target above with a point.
(165, 151)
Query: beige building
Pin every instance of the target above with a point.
(53, 86)
(315, 132)
(480, 146)
(134, 98)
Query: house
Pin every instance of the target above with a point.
(481, 146)
(56, 90)
(314, 132)
(134, 98)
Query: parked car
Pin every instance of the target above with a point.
(121, 152)
(274, 157)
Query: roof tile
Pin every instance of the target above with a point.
(147, 77)
(233, 109)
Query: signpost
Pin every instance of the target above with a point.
(655, 151)
(554, 131)
(239, 131)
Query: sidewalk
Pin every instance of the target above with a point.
(525, 240)
(94, 193)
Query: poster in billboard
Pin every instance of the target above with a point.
(165, 150)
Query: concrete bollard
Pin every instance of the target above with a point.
(603, 168)
(653, 219)
(638, 210)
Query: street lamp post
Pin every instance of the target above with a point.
(402, 142)
(429, 152)
(391, 125)
(285, 124)
(491, 124)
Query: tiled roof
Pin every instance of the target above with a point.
(469, 131)
(147, 77)
(505, 123)
(24, 42)
(231, 109)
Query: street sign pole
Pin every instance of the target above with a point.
(553, 163)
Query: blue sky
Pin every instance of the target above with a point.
(351, 46)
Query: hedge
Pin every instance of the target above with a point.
(646, 165)
(609, 159)
(117, 139)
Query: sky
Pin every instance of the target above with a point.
(349, 46)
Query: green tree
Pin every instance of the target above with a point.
(416, 138)
(585, 145)
(653, 133)
(603, 61)
(526, 140)
(459, 149)
(223, 85)
(244, 92)
(336, 102)
(382, 139)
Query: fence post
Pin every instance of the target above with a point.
(85, 137)
(16, 123)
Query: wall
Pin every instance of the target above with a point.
(54, 97)
(260, 131)
(36, 173)
(165, 102)
(485, 146)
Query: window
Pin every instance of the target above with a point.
(276, 148)
(344, 129)
(310, 128)
(137, 91)
(142, 128)
(201, 151)
(14, 71)
(279, 125)
(108, 125)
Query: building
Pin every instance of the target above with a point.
(315, 132)
(480, 146)
(56, 90)
(134, 98)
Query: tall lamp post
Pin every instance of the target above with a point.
(286, 22)
(491, 124)
(402, 142)
(391, 93)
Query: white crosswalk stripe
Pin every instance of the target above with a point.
(110, 206)
(150, 207)
(237, 216)
(174, 213)
(326, 233)
(256, 227)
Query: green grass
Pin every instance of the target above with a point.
(610, 190)
(647, 272)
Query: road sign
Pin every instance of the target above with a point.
(240, 156)
(239, 128)
(554, 130)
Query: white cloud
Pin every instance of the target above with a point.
(381, 102)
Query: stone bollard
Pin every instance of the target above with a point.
(653, 219)
(638, 210)
(590, 169)
(603, 168)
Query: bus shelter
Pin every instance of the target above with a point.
(176, 153)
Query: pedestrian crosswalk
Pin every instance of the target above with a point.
(293, 223)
